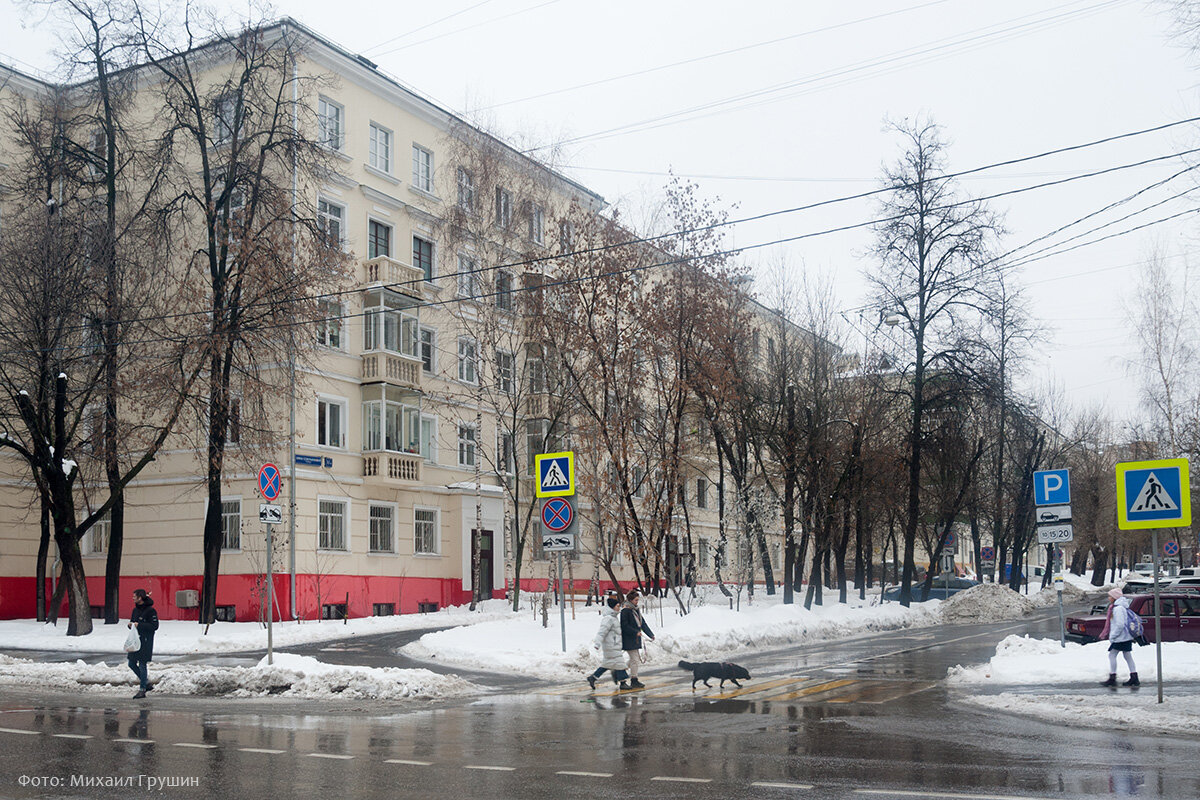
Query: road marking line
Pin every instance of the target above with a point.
(490, 768)
(194, 744)
(70, 736)
(18, 730)
(329, 755)
(261, 750)
(884, 693)
(827, 686)
(135, 741)
(410, 763)
(585, 774)
(762, 687)
(948, 795)
(681, 780)
(769, 785)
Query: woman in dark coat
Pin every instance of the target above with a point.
(632, 628)
(146, 619)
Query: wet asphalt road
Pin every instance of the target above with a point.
(889, 729)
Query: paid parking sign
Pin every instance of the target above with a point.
(1052, 487)
(555, 474)
(1153, 494)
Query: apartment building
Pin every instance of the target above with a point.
(396, 466)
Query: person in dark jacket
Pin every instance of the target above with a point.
(146, 619)
(632, 628)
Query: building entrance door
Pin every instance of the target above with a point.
(483, 543)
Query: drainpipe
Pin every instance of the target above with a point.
(292, 360)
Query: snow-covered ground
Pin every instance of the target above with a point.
(1044, 677)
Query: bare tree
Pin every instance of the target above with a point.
(933, 252)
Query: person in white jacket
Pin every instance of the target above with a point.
(1120, 639)
(608, 642)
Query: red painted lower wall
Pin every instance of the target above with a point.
(247, 594)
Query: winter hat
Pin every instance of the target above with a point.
(1115, 594)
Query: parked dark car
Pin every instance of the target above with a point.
(1180, 618)
(939, 591)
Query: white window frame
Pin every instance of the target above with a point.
(325, 217)
(380, 141)
(505, 281)
(503, 208)
(427, 345)
(227, 516)
(391, 237)
(331, 328)
(468, 360)
(432, 257)
(466, 190)
(344, 502)
(372, 537)
(506, 452)
(468, 446)
(422, 164)
(468, 276)
(429, 445)
(331, 401)
(506, 371)
(224, 118)
(537, 223)
(336, 139)
(435, 533)
(100, 533)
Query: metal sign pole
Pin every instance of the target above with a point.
(562, 603)
(1058, 583)
(270, 593)
(1157, 620)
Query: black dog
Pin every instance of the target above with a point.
(716, 669)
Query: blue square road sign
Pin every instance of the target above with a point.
(1052, 487)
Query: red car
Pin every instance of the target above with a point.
(1180, 618)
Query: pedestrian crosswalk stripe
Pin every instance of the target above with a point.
(756, 688)
(827, 686)
(882, 692)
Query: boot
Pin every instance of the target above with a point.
(1133, 680)
(140, 694)
(634, 683)
(591, 679)
(1112, 680)
(623, 686)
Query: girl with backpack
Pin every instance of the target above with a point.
(1119, 630)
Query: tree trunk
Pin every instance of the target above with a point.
(43, 554)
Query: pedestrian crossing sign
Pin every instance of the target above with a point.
(1153, 494)
(556, 474)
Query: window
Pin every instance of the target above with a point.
(231, 523)
(95, 543)
(330, 324)
(97, 153)
(224, 118)
(379, 239)
(466, 190)
(701, 493)
(331, 524)
(423, 256)
(468, 277)
(331, 422)
(504, 290)
(379, 150)
(537, 432)
(505, 371)
(329, 221)
(422, 163)
(503, 208)
(428, 349)
(566, 236)
(537, 223)
(466, 445)
(467, 355)
(703, 554)
(333, 611)
(536, 368)
(425, 532)
(429, 438)
(383, 526)
(389, 423)
(329, 123)
(506, 454)
(639, 482)
(383, 609)
(388, 324)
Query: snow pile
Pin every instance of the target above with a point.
(290, 676)
(180, 637)
(987, 602)
(521, 645)
(1073, 594)
(1024, 660)
(1123, 710)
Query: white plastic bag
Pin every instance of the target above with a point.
(133, 642)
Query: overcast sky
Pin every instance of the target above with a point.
(773, 105)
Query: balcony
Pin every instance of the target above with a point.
(393, 466)
(396, 275)
(393, 369)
